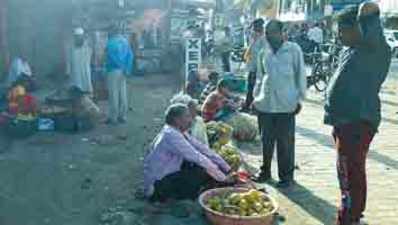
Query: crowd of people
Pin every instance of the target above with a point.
(180, 166)
(118, 64)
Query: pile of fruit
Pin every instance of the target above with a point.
(26, 117)
(219, 136)
(21, 103)
(230, 155)
(219, 133)
(250, 203)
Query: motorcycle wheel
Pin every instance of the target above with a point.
(321, 78)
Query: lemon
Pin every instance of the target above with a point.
(250, 212)
(258, 206)
(243, 204)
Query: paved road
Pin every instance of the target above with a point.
(314, 200)
(394, 69)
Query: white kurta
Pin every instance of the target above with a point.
(80, 69)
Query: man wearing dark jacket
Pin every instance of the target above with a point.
(353, 103)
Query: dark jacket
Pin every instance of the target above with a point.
(353, 92)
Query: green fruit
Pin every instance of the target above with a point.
(234, 199)
(250, 212)
(258, 207)
(243, 204)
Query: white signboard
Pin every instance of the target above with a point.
(328, 10)
(193, 55)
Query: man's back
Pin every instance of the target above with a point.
(119, 54)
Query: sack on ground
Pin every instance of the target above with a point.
(245, 127)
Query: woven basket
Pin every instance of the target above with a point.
(217, 218)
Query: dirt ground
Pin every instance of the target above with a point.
(86, 178)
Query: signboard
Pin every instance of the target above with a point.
(341, 4)
(328, 10)
(193, 55)
(177, 27)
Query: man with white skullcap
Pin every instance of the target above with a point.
(79, 63)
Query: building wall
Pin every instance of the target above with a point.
(387, 6)
(38, 30)
(3, 39)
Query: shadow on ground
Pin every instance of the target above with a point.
(326, 141)
(312, 204)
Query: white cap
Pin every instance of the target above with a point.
(78, 31)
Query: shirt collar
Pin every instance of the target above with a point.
(283, 48)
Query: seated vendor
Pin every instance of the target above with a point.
(84, 108)
(20, 71)
(21, 102)
(194, 85)
(177, 165)
(219, 105)
(198, 129)
(210, 87)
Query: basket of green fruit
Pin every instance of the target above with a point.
(238, 206)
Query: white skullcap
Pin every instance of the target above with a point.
(78, 31)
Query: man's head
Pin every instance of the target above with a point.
(213, 77)
(349, 32)
(20, 53)
(274, 33)
(188, 101)
(224, 87)
(113, 30)
(78, 35)
(258, 26)
(179, 116)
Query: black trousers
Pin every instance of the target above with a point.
(279, 129)
(251, 82)
(226, 63)
(184, 184)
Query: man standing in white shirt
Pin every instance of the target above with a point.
(315, 34)
(79, 65)
(278, 94)
(251, 57)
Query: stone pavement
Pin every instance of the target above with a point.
(315, 198)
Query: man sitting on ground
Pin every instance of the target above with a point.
(219, 105)
(178, 166)
(20, 71)
(198, 129)
(210, 87)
